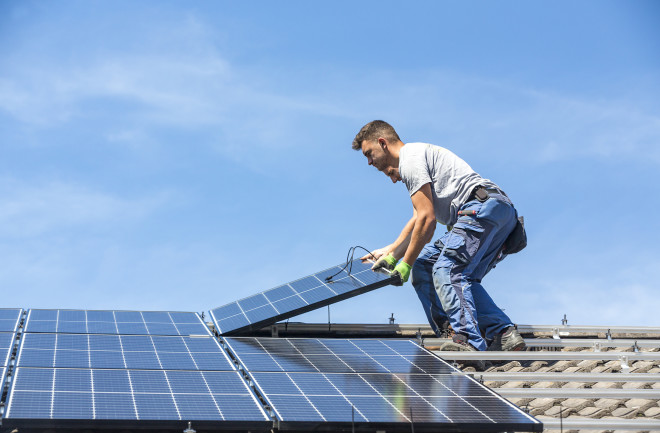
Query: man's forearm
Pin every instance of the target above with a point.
(421, 234)
(400, 245)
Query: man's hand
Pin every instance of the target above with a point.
(402, 270)
(375, 255)
(385, 262)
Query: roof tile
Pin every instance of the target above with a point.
(625, 412)
(608, 403)
(653, 412)
(594, 412)
(538, 406)
(641, 403)
(555, 410)
(641, 366)
(577, 404)
(636, 385)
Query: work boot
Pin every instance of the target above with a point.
(508, 340)
(460, 343)
(446, 330)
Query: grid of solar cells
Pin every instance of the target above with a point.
(116, 322)
(122, 352)
(99, 394)
(9, 319)
(6, 345)
(297, 297)
(335, 355)
(328, 380)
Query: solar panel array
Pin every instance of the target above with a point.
(116, 322)
(103, 394)
(312, 381)
(9, 319)
(129, 366)
(297, 297)
(82, 368)
(122, 351)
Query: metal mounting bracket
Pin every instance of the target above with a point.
(625, 368)
(555, 333)
(597, 346)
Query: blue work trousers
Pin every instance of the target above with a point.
(447, 274)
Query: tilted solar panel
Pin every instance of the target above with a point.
(393, 383)
(116, 322)
(297, 297)
(9, 319)
(122, 351)
(145, 395)
(6, 344)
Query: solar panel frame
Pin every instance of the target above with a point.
(84, 398)
(297, 297)
(121, 322)
(324, 397)
(10, 319)
(168, 352)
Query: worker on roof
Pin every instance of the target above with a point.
(447, 274)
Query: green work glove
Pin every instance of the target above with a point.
(385, 262)
(403, 271)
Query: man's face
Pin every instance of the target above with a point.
(377, 155)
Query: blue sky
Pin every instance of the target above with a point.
(181, 155)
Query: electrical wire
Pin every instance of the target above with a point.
(349, 261)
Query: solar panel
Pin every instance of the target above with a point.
(122, 351)
(116, 322)
(297, 297)
(6, 344)
(146, 395)
(391, 382)
(9, 319)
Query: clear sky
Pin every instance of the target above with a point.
(181, 155)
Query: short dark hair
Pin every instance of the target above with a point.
(372, 131)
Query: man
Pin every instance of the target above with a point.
(446, 274)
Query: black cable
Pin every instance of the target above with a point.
(349, 261)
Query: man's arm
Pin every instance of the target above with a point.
(424, 224)
(396, 248)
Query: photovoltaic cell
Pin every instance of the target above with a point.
(97, 394)
(311, 381)
(6, 344)
(122, 352)
(297, 297)
(116, 322)
(9, 319)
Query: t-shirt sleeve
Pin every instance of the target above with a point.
(415, 170)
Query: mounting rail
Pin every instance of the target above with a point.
(577, 393)
(596, 343)
(565, 377)
(550, 356)
(601, 424)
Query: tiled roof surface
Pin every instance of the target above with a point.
(582, 389)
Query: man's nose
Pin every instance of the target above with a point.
(370, 161)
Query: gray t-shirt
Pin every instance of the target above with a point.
(452, 179)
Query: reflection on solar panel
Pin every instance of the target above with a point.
(9, 318)
(393, 382)
(122, 351)
(96, 394)
(297, 297)
(116, 322)
(6, 344)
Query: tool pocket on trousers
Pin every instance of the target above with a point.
(463, 243)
